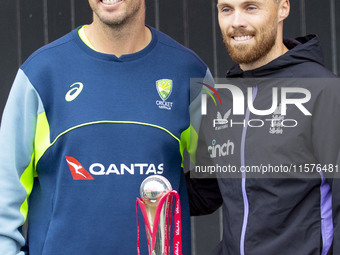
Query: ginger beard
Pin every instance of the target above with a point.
(247, 53)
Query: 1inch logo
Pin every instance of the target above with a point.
(77, 170)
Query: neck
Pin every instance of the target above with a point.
(277, 51)
(118, 40)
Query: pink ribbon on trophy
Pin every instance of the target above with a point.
(168, 197)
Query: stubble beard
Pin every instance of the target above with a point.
(120, 21)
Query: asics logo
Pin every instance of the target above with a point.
(72, 94)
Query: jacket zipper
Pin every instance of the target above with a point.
(244, 192)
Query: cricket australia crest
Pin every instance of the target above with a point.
(164, 89)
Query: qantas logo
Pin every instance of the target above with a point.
(77, 170)
(97, 169)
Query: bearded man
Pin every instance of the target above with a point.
(294, 212)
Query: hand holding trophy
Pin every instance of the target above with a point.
(156, 204)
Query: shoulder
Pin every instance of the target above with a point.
(311, 70)
(50, 52)
(173, 48)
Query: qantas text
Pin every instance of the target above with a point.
(121, 169)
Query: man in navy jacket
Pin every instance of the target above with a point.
(297, 214)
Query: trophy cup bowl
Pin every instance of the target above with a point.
(157, 213)
(154, 186)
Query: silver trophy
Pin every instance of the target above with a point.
(156, 205)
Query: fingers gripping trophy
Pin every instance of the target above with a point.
(156, 203)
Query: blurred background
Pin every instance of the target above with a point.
(26, 25)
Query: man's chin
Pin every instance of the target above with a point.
(240, 55)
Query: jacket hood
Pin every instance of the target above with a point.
(300, 50)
